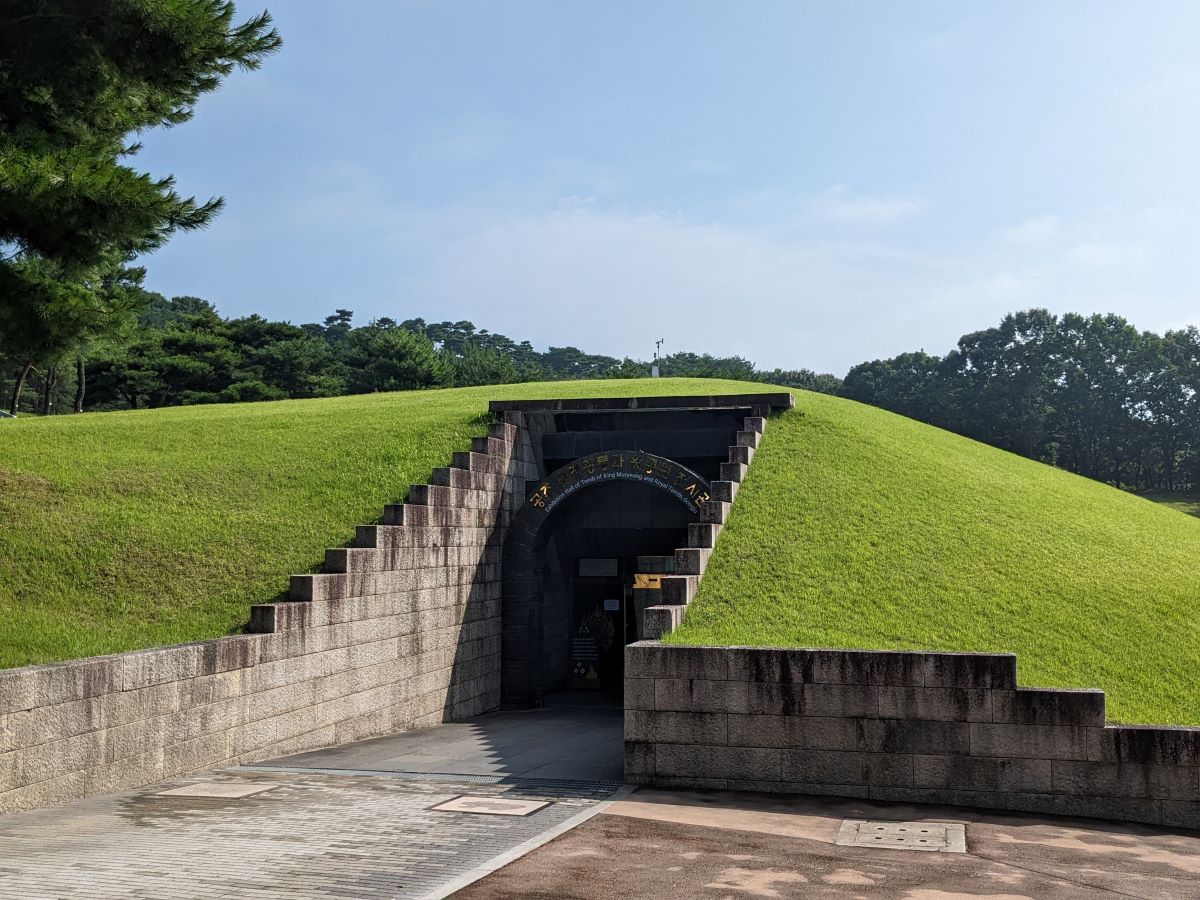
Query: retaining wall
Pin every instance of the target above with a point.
(915, 727)
(402, 631)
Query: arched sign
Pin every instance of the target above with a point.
(620, 465)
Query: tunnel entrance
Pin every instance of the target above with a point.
(595, 533)
(581, 564)
(586, 562)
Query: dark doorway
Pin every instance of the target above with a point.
(598, 545)
(578, 576)
(608, 599)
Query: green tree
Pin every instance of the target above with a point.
(691, 365)
(1002, 380)
(392, 359)
(571, 362)
(78, 78)
(286, 360)
(45, 315)
(483, 367)
(908, 384)
(806, 379)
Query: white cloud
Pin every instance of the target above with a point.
(1104, 254)
(836, 207)
(841, 209)
(610, 282)
(1038, 230)
(790, 291)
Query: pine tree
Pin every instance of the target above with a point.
(78, 79)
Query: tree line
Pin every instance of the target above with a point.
(80, 80)
(1090, 394)
(180, 351)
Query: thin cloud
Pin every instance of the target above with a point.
(1038, 230)
(867, 210)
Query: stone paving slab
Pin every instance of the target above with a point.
(311, 836)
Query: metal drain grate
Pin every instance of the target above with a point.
(546, 784)
(929, 836)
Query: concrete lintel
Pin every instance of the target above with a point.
(775, 401)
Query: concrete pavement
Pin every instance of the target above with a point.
(360, 821)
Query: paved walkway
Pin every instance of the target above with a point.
(356, 821)
(311, 836)
(658, 844)
(359, 821)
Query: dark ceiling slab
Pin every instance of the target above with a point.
(775, 401)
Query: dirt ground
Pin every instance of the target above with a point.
(722, 845)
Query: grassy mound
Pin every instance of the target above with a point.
(1185, 503)
(859, 528)
(137, 529)
(855, 528)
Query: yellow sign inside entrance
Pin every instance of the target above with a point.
(653, 582)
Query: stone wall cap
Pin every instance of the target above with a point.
(780, 400)
(877, 652)
(1187, 729)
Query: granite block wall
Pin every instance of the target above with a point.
(941, 728)
(401, 631)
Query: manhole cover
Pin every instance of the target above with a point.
(219, 790)
(936, 836)
(491, 806)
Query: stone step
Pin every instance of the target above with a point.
(715, 511)
(383, 537)
(458, 498)
(503, 431)
(703, 534)
(691, 560)
(464, 478)
(748, 438)
(678, 590)
(479, 462)
(724, 490)
(660, 621)
(490, 446)
(733, 471)
(437, 516)
(741, 454)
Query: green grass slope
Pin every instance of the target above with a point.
(1185, 503)
(137, 529)
(859, 528)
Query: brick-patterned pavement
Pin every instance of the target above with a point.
(314, 835)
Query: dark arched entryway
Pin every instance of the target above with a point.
(573, 551)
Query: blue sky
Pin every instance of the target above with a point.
(803, 184)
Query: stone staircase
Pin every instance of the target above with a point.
(678, 590)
